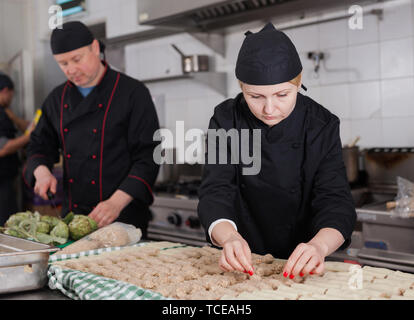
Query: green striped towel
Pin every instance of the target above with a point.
(80, 285)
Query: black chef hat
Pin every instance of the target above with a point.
(72, 36)
(267, 57)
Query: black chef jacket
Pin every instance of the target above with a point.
(106, 139)
(9, 165)
(302, 185)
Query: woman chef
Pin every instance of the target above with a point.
(103, 123)
(299, 206)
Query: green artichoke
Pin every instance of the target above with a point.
(61, 230)
(43, 227)
(81, 226)
(15, 233)
(52, 221)
(15, 219)
(68, 218)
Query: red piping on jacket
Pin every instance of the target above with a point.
(63, 142)
(25, 167)
(103, 135)
(143, 181)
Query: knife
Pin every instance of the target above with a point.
(51, 198)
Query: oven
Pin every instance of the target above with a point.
(174, 211)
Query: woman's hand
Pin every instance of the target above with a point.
(236, 254)
(307, 258)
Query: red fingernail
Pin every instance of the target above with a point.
(285, 274)
(291, 276)
(251, 273)
(301, 274)
(245, 271)
(311, 272)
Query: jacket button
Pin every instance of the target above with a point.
(66, 130)
(295, 145)
(93, 182)
(75, 205)
(243, 186)
(95, 131)
(66, 106)
(94, 157)
(70, 180)
(293, 190)
(68, 156)
(100, 105)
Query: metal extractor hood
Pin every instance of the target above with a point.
(206, 15)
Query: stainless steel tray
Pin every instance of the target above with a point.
(23, 264)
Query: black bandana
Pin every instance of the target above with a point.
(72, 36)
(267, 57)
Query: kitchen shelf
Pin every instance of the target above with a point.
(214, 40)
(215, 80)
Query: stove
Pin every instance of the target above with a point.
(385, 240)
(174, 213)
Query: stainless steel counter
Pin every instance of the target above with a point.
(40, 294)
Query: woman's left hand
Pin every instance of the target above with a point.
(307, 258)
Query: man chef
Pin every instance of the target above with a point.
(102, 122)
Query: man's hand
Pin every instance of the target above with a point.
(44, 181)
(109, 210)
(236, 254)
(105, 213)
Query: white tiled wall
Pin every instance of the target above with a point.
(13, 28)
(367, 77)
(120, 17)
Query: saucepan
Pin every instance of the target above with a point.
(193, 63)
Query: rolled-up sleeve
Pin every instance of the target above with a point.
(143, 123)
(332, 202)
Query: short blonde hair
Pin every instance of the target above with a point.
(295, 81)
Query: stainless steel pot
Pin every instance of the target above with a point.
(193, 63)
